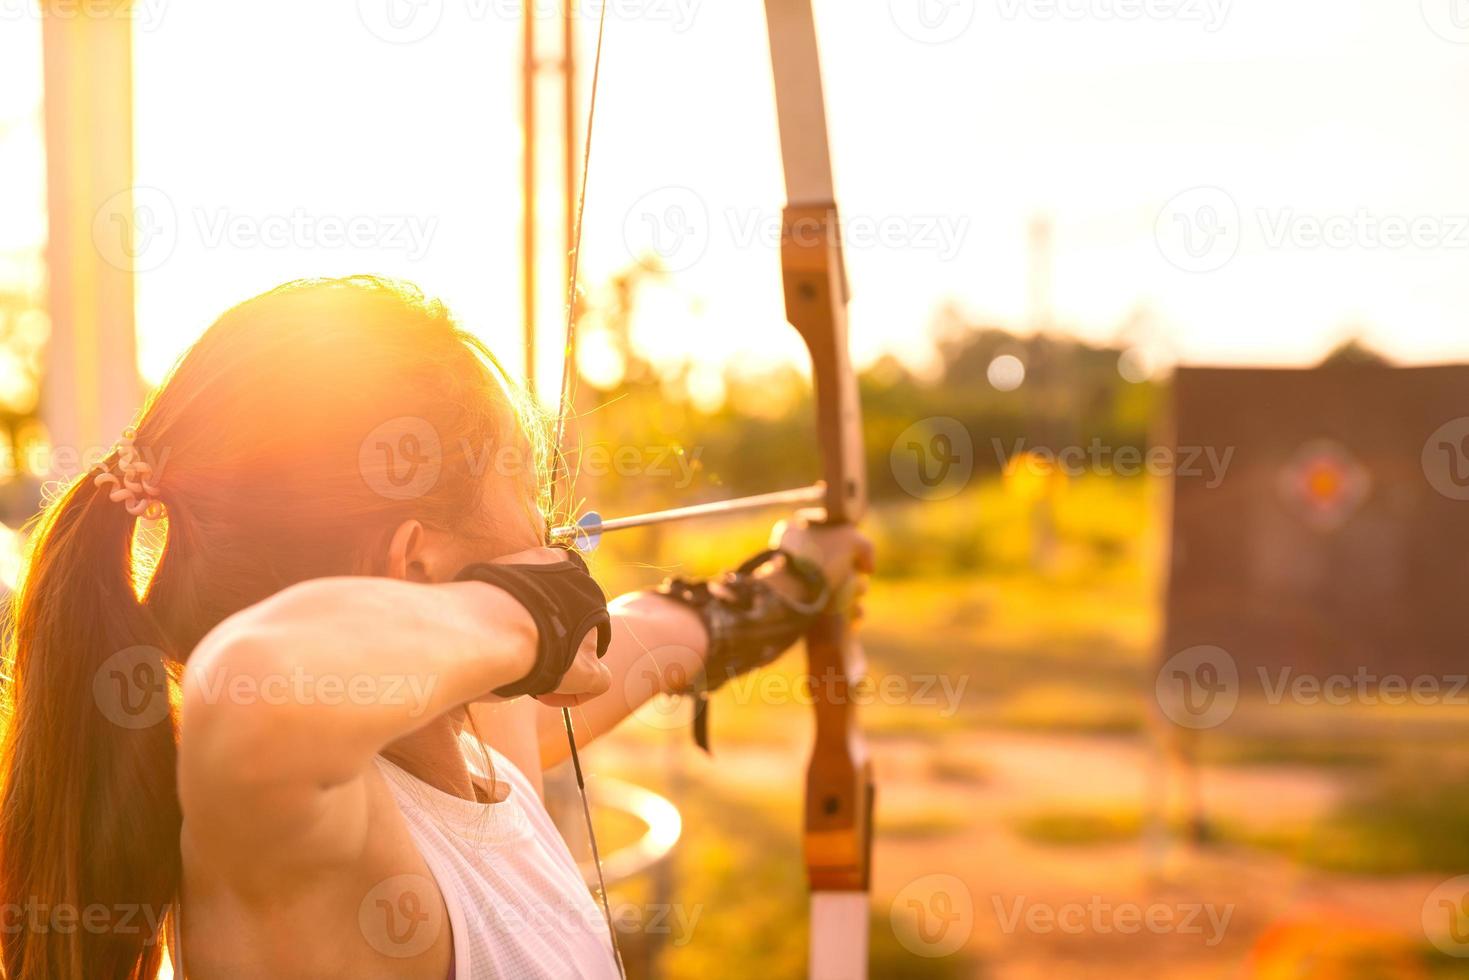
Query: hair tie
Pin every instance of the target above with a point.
(132, 485)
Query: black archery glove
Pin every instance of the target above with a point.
(566, 604)
(749, 623)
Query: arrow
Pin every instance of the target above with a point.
(587, 532)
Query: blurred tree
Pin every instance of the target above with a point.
(759, 436)
(1353, 351)
(23, 333)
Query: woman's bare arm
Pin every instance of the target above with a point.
(286, 703)
(657, 647)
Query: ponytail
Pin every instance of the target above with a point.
(89, 811)
(285, 429)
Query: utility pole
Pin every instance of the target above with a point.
(532, 65)
(100, 234)
(1039, 299)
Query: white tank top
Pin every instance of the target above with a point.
(516, 900)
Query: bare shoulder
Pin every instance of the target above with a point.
(379, 914)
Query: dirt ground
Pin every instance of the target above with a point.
(1047, 911)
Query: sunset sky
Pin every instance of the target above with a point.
(1323, 146)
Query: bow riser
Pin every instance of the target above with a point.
(816, 305)
(839, 784)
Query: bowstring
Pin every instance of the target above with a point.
(562, 472)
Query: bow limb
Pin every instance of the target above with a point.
(839, 786)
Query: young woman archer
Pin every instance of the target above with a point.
(307, 742)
